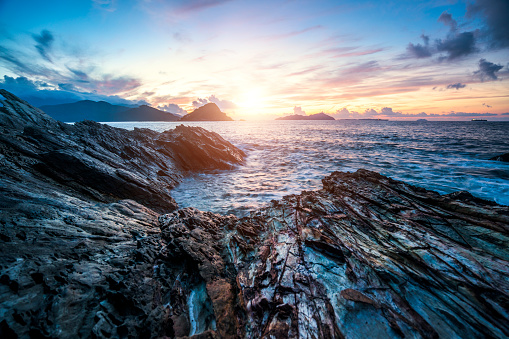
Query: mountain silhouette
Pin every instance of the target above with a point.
(318, 116)
(103, 111)
(208, 112)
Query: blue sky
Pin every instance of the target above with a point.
(256, 60)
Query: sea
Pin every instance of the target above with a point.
(287, 157)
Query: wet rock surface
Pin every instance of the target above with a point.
(366, 256)
(78, 221)
(92, 246)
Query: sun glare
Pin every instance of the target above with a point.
(251, 102)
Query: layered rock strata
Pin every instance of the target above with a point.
(366, 256)
(76, 202)
(92, 246)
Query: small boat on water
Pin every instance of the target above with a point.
(479, 120)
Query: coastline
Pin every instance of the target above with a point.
(92, 244)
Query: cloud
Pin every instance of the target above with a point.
(486, 105)
(456, 86)
(298, 110)
(487, 70)
(200, 102)
(494, 13)
(105, 5)
(505, 113)
(172, 108)
(222, 104)
(44, 42)
(73, 81)
(388, 112)
(447, 20)
(190, 6)
(457, 45)
(39, 93)
(420, 51)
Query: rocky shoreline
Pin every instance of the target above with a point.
(93, 245)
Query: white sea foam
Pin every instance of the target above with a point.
(286, 157)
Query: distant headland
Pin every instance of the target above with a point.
(101, 111)
(318, 116)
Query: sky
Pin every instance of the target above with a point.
(433, 59)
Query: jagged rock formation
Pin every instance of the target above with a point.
(76, 202)
(501, 157)
(317, 116)
(366, 256)
(207, 112)
(104, 111)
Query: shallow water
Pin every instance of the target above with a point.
(286, 157)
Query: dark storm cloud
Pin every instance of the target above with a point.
(420, 51)
(456, 86)
(44, 42)
(495, 14)
(487, 70)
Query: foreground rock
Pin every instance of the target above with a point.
(76, 202)
(366, 256)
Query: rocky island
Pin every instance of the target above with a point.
(207, 112)
(93, 245)
(318, 116)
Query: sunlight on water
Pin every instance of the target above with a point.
(286, 157)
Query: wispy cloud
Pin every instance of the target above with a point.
(73, 81)
(44, 42)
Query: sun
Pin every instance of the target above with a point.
(251, 101)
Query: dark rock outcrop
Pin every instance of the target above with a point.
(207, 112)
(86, 253)
(502, 157)
(78, 221)
(317, 116)
(366, 256)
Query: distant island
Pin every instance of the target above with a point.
(104, 111)
(207, 112)
(318, 116)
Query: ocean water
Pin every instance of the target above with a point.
(286, 157)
